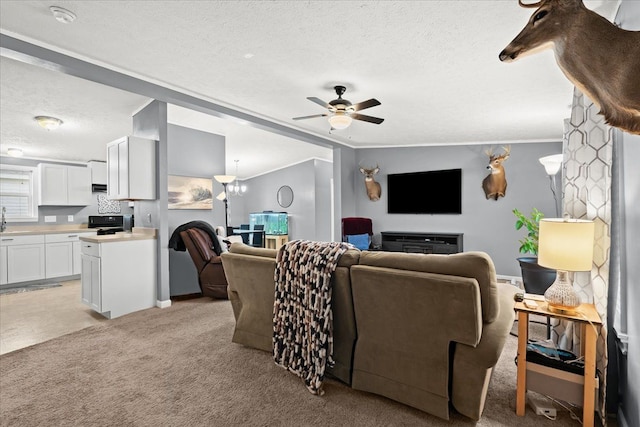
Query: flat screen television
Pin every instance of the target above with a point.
(429, 192)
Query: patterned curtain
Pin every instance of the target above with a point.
(588, 154)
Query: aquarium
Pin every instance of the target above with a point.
(274, 222)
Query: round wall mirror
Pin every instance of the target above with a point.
(285, 196)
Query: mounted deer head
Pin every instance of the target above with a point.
(373, 188)
(495, 184)
(600, 59)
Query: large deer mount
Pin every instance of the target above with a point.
(600, 59)
(373, 188)
(495, 184)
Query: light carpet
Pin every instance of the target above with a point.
(178, 367)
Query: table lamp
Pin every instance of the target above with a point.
(565, 245)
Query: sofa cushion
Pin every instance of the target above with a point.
(476, 265)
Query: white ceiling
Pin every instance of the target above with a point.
(432, 64)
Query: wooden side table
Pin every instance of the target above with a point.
(585, 313)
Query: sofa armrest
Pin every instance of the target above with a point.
(472, 366)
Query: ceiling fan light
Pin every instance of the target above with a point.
(49, 123)
(340, 121)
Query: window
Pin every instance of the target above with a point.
(17, 193)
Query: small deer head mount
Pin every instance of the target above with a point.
(373, 188)
(495, 184)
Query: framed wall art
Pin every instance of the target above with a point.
(186, 192)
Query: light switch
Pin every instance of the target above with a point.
(49, 218)
(70, 218)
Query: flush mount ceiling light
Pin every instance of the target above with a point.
(15, 152)
(49, 123)
(62, 15)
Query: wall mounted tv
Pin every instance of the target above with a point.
(429, 192)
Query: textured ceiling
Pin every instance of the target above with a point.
(433, 65)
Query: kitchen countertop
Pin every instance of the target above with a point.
(138, 233)
(25, 230)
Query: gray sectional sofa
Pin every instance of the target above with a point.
(424, 330)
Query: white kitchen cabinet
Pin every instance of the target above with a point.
(98, 172)
(25, 257)
(58, 259)
(62, 185)
(62, 254)
(119, 277)
(131, 169)
(4, 279)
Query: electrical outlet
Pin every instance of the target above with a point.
(49, 218)
(69, 218)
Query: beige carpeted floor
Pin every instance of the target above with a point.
(178, 367)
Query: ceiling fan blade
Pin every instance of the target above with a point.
(364, 118)
(310, 117)
(366, 104)
(318, 101)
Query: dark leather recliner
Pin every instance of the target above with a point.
(211, 277)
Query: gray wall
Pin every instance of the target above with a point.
(80, 213)
(151, 123)
(308, 203)
(487, 225)
(323, 176)
(198, 154)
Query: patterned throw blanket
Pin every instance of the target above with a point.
(302, 316)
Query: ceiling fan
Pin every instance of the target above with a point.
(342, 112)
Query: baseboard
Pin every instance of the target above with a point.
(514, 280)
(163, 304)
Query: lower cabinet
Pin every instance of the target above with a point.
(119, 277)
(25, 258)
(63, 254)
(4, 279)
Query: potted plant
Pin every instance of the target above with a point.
(536, 279)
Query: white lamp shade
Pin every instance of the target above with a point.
(566, 244)
(551, 163)
(224, 179)
(221, 196)
(340, 120)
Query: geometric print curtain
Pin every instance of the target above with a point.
(588, 155)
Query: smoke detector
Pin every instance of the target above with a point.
(62, 15)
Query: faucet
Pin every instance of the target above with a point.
(3, 224)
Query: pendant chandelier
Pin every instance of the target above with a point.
(235, 189)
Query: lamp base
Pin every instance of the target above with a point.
(561, 297)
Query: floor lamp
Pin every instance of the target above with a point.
(552, 166)
(224, 180)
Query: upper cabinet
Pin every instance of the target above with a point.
(98, 172)
(131, 169)
(62, 185)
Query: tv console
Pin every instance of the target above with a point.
(425, 243)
